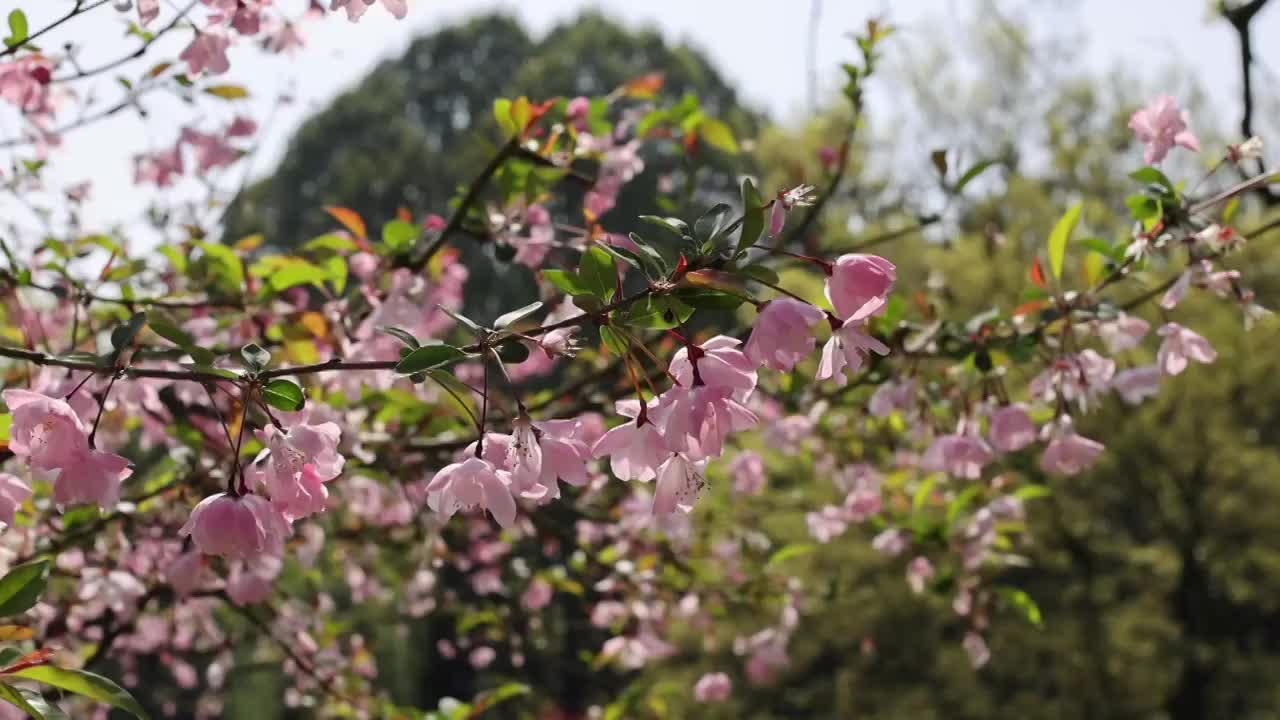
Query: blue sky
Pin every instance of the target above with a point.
(761, 45)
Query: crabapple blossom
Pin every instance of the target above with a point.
(1161, 126)
(961, 455)
(1011, 428)
(713, 687)
(680, 484)
(302, 460)
(13, 493)
(1067, 452)
(719, 363)
(748, 471)
(636, 448)
(1180, 346)
(473, 484)
(783, 335)
(236, 527)
(856, 281)
(1123, 333)
(1137, 384)
(183, 572)
(850, 344)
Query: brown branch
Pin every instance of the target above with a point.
(469, 199)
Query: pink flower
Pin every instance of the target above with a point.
(49, 433)
(525, 455)
(891, 541)
(236, 527)
(578, 111)
(919, 572)
(148, 10)
(680, 484)
(1069, 453)
(849, 345)
(537, 596)
(1181, 345)
(713, 687)
(777, 218)
(211, 150)
(13, 492)
(1137, 384)
(302, 461)
(1123, 333)
(1177, 291)
(891, 396)
(46, 431)
(961, 456)
(1160, 126)
(720, 364)
(976, 648)
(564, 454)
(636, 448)
(159, 167)
(857, 281)
(698, 420)
(249, 581)
(829, 522)
(183, 573)
(94, 478)
(481, 657)
(783, 333)
(472, 484)
(1011, 428)
(207, 52)
(747, 469)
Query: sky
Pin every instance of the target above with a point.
(762, 46)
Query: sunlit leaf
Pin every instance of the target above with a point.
(349, 219)
(21, 587)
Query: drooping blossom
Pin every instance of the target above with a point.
(1011, 428)
(577, 112)
(891, 541)
(1069, 453)
(680, 484)
(858, 280)
(160, 167)
(356, 8)
(961, 455)
(183, 572)
(148, 10)
(783, 334)
(635, 448)
(698, 420)
(236, 527)
(13, 492)
(976, 648)
(538, 595)
(1161, 126)
(525, 455)
(828, 523)
(892, 395)
(1076, 378)
(720, 364)
(1177, 290)
(798, 196)
(207, 52)
(1180, 346)
(49, 433)
(473, 484)
(250, 581)
(302, 460)
(1123, 333)
(748, 472)
(919, 572)
(1137, 384)
(849, 345)
(564, 453)
(712, 687)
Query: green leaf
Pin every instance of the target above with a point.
(752, 215)
(333, 241)
(516, 315)
(708, 299)
(428, 357)
(255, 358)
(718, 134)
(166, 329)
(1144, 208)
(15, 697)
(502, 113)
(1059, 236)
(466, 322)
(21, 587)
(80, 515)
(1152, 176)
(1020, 600)
(565, 281)
(297, 272)
(499, 695)
(707, 228)
(514, 352)
(175, 256)
(761, 273)
(597, 273)
(284, 395)
(614, 340)
(657, 313)
(399, 236)
(224, 264)
(87, 684)
(17, 28)
(1031, 492)
(676, 226)
(402, 335)
(787, 552)
(124, 334)
(1229, 210)
(209, 369)
(227, 92)
(973, 172)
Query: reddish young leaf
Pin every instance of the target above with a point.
(350, 219)
(1037, 275)
(645, 86)
(403, 213)
(1029, 307)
